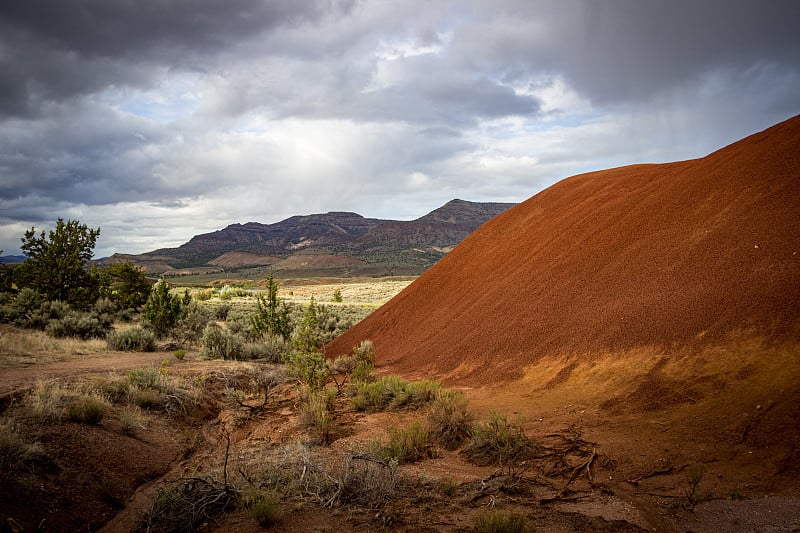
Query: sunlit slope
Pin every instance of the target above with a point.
(663, 255)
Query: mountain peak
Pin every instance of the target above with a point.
(376, 247)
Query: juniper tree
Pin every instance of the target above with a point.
(57, 263)
(272, 314)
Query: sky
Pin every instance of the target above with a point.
(157, 120)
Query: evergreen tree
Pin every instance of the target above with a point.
(306, 339)
(125, 284)
(57, 263)
(272, 314)
(162, 310)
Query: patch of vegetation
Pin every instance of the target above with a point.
(497, 442)
(406, 445)
(694, 494)
(263, 507)
(80, 325)
(448, 419)
(315, 411)
(152, 388)
(299, 473)
(162, 309)
(88, 409)
(192, 322)
(131, 420)
(56, 263)
(132, 340)
(272, 314)
(218, 343)
(15, 450)
(393, 392)
(497, 521)
(48, 399)
(187, 504)
(271, 348)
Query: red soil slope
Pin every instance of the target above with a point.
(666, 255)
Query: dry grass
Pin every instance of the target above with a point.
(317, 475)
(369, 294)
(132, 420)
(15, 450)
(51, 401)
(20, 347)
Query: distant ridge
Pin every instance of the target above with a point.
(341, 243)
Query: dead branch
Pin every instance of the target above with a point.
(587, 466)
(635, 481)
(561, 498)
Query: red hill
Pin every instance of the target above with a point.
(662, 256)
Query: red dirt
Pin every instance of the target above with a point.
(646, 255)
(655, 307)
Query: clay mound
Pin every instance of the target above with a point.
(662, 255)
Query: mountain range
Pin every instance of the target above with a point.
(335, 243)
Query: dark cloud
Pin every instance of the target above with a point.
(623, 50)
(209, 111)
(64, 49)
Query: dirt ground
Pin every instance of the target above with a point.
(672, 468)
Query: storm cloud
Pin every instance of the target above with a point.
(157, 120)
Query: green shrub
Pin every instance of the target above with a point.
(449, 422)
(496, 521)
(363, 372)
(149, 399)
(104, 306)
(265, 509)
(80, 325)
(148, 377)
(309, 368)
(272, 314)
(220, 311)
(337, 295)
(132, 340)
(360, 360)
(272, 348)
(89, 409)
(204, 295)
(218, 343)
(498, 442)
(47, 312)
(407, 445)
(162, 310)
(315, 412)
(239, 321)
(393, 392)
(365, 352)
(179, 354)
(193, 321)
(25, 303)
